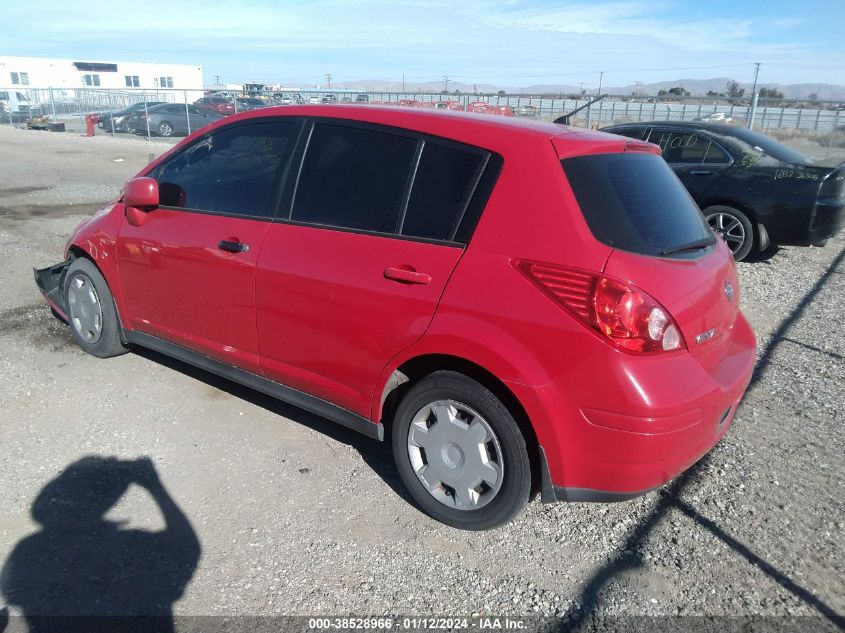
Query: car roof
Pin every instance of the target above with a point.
(483, 130)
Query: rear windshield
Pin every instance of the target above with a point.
(634, 202)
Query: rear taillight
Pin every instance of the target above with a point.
(626, 316)
(834, 185)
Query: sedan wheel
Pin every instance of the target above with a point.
(165, 129)
(733, 227)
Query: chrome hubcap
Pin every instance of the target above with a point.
(86, 313)
(166, 129)
(455, 455)
(729, 228)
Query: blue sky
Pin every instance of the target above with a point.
(509, 43)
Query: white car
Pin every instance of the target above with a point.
(14, 102)
(721, 117)
(313, 99)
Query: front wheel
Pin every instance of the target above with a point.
(733, 226)
(165, 129)
(91, 312)
(460, 452)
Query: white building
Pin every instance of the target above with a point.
(27, 73)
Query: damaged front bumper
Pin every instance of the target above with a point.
(51, 282)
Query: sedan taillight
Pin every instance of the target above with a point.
(624, 315)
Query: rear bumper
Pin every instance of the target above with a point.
(50, 282)
(624, 437)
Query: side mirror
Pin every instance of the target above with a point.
(139, 196)
(141, 193)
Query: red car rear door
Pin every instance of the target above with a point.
(354, 276)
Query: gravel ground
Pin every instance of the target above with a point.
(294, 515)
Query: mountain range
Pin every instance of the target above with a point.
(698, 87)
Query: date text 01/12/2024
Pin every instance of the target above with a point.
(418, 623)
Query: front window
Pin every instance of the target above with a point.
(234, 171)
(91, 80)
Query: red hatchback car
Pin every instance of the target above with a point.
(522, 307)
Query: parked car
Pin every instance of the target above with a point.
(753, 190)
(14, 103)
(717, 117)
(528, 110)
(284, 100)
(170, 119)
(250, 103)
(362, 98)
(121, 117)
(576, 333)
(314, 99)
(216, 104)
(297, 99)
(329, 99)
(347, 99)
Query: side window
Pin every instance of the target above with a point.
(442, 186)
(716, 155)
(354, 178)
(233, 171)
(681, 147)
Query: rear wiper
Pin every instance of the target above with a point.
(692, 246)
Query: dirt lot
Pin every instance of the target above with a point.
(293, 515)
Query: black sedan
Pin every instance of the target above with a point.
(121, 117)
(753, 190)
(170, 119)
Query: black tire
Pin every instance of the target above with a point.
(515, 487)
(821, 243)
(106, 342)
(719, 218)
(165, 128)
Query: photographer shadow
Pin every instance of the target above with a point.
(83, 572)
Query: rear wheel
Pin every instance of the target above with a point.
(91, 312)
(460, 453)
(734, 227)
(165, 129)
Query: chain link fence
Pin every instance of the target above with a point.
(22, 103)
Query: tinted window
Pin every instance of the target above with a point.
(634, 202)
(354, 178)
(680, 147)
(233, 171)
(442, 186)
(716, 155)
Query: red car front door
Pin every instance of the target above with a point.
(187, 270)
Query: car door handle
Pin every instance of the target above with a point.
(701, 172)
(407, 275)
(233, 246)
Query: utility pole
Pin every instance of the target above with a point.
(756, 72)
(216, 80)
(636, 88)
(601, 74)
(403, 82)
(445, 83)
(329, 80)
(581, 88)
(754, 97)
